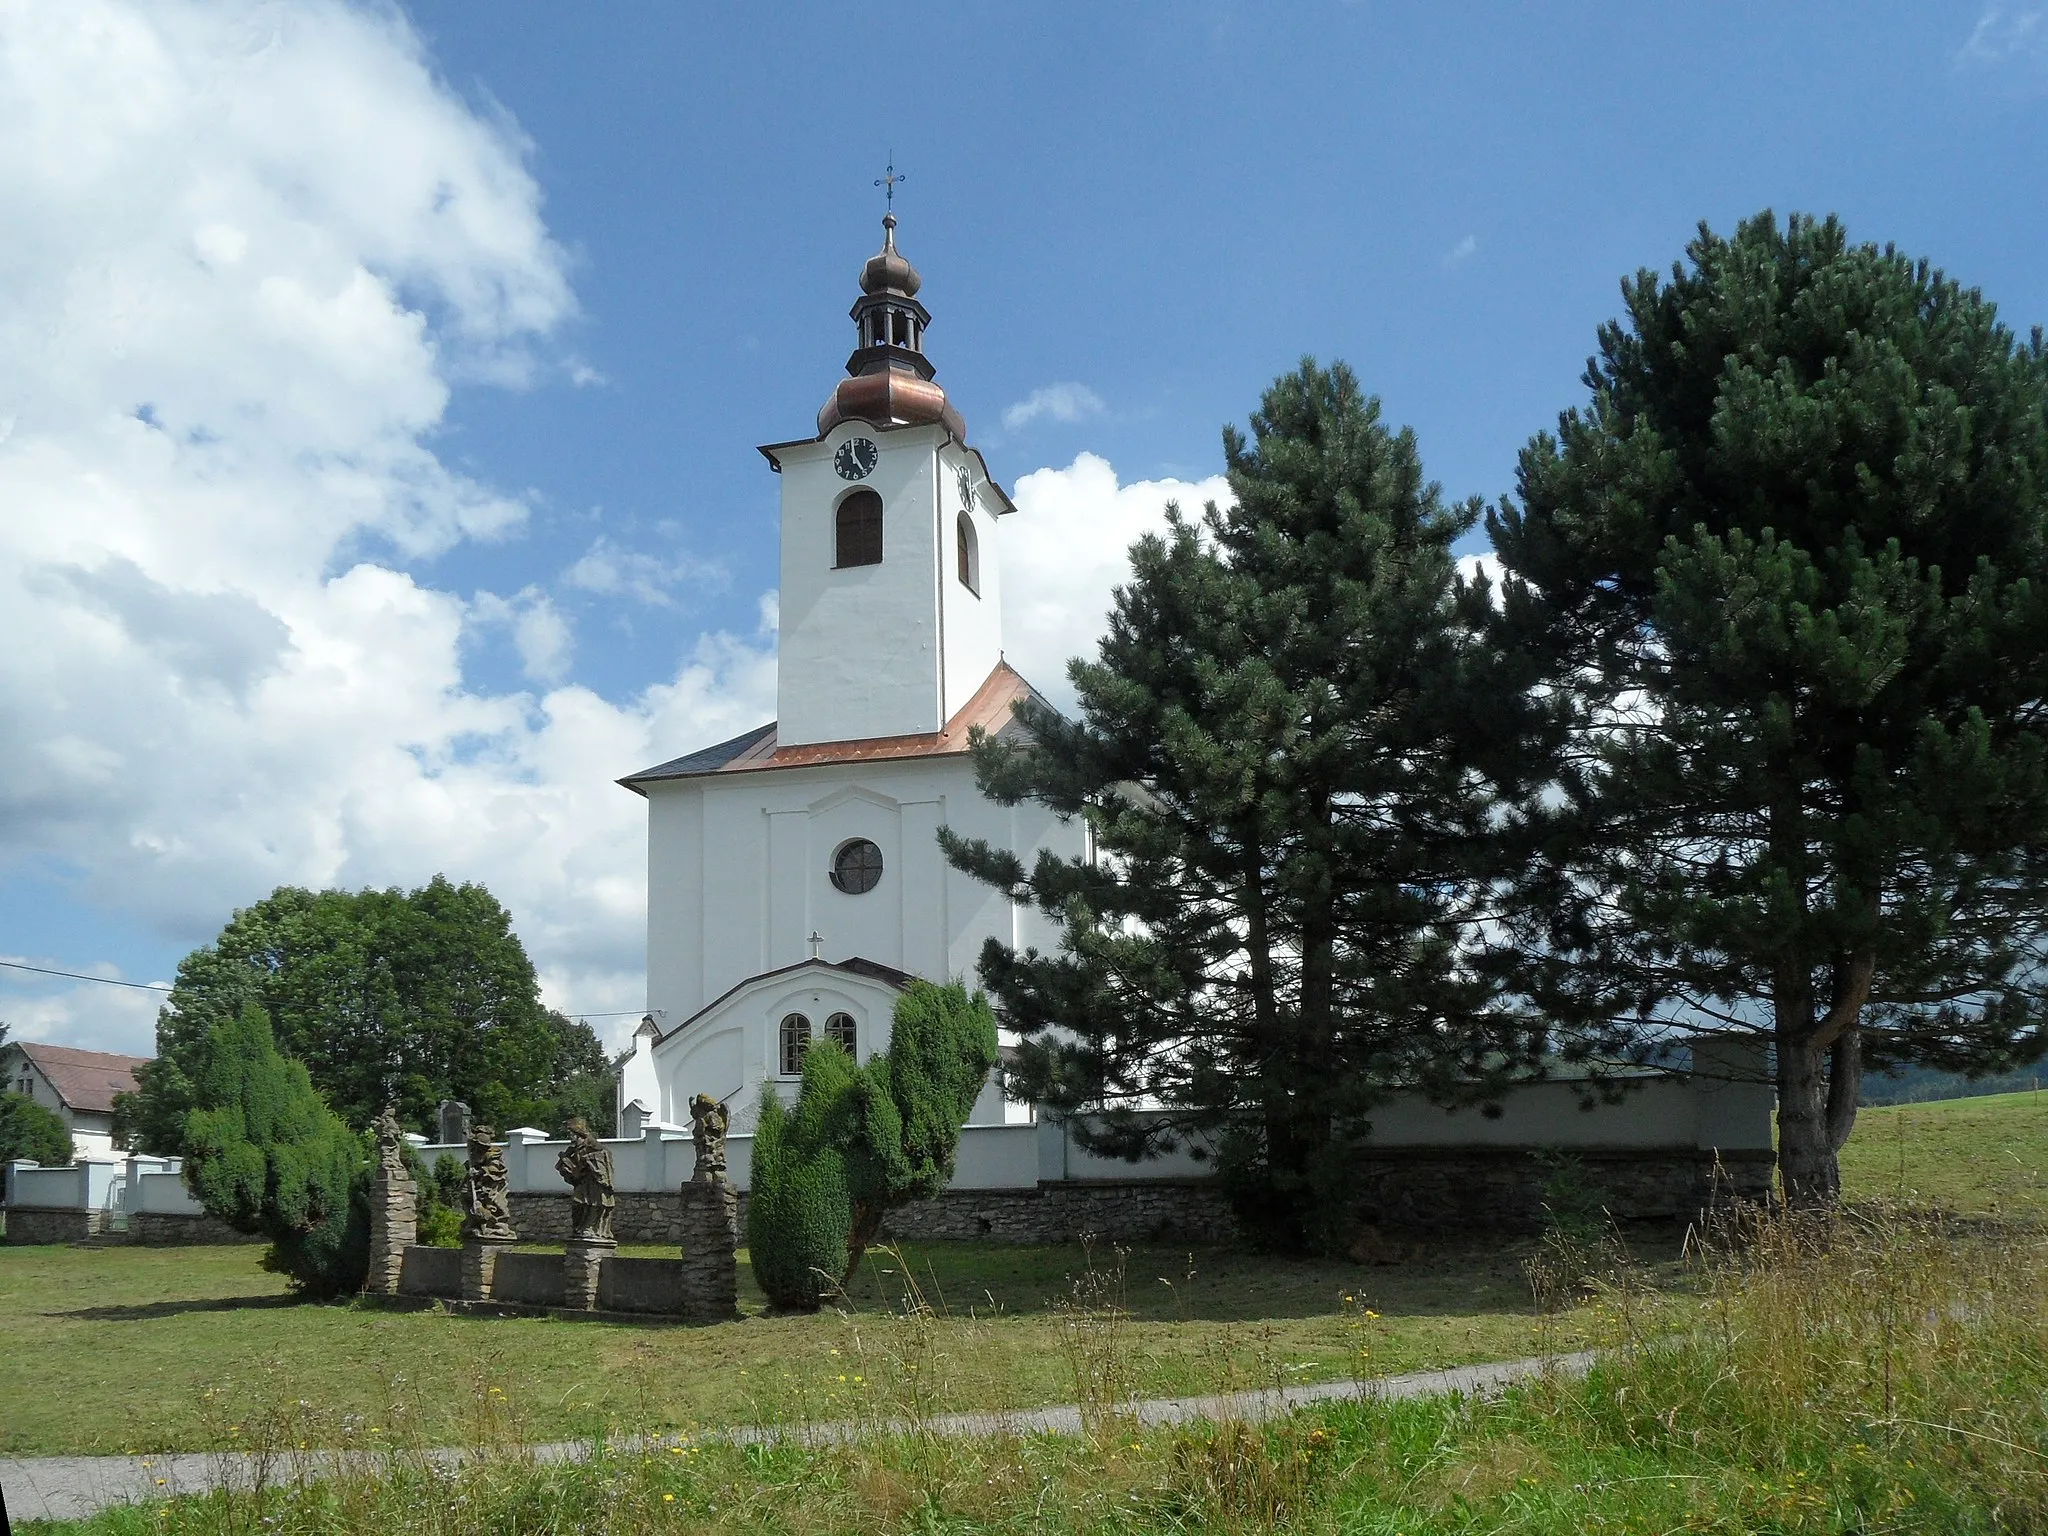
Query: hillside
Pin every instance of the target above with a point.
(1980, 1154)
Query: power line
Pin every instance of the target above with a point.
(157, 986)
(105, 981)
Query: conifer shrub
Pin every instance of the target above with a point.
(265, 1154)
(799, 1208)
(913, 1100)
(863, 1140)
(32, 1132)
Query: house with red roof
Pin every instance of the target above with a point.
(78, 1086)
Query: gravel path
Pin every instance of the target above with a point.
(73, 1487)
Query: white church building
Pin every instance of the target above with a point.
(794, 879)
(795, 884)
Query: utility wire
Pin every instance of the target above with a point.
(157, 986)
(105, 981)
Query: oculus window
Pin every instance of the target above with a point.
(796, 1034)
(857, 531)
(857, 867)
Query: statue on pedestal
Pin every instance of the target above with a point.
(586, 1167)
(490, 1203)
(390, 1145)
(709, 1120)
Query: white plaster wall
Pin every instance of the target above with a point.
(859, 648)
(739, 875)
(972, 626)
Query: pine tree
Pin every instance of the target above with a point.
(1282, 753)
(265, 1154)
(1790, 568)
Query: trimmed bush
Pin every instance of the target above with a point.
(265, 1154)
(799, 1208)
(32, 1131)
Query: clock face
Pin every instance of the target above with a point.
(966, 492)
(855, 459)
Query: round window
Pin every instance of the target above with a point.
(857, 867)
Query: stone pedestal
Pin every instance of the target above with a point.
(582, 1264)
(394, 1226)
(710, 1241)
(479, 1262)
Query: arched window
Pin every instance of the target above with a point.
(841, 1029)
(859, 530)
(968, 553)
(796, 1034)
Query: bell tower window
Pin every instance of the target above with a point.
(857, 530)
(968, 554)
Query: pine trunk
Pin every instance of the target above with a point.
(1806, 1152)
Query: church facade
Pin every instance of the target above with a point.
(795, 884)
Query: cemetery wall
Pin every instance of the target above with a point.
(169, 1228)
(52, 1224)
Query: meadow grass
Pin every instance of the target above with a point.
(1883, 1373)
(1987, 1155)
(134, 1349)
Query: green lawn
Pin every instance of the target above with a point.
(117, 1349)
(1977, 1155)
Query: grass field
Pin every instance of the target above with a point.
(1895, 1378)
(1979, 1155)
(117, 1349)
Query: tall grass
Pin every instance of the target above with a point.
(1882, 1372)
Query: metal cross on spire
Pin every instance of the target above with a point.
(889, 181)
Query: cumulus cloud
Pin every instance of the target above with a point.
(252, 248)
(1462, 251)
(1053, 402)
(1066, 550)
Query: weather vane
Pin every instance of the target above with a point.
(889, 180)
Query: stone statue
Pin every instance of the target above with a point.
(709, 1120)
(586, 1167)
(390, 1145)
(490, 1204)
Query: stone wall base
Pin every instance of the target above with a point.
(1507, 1188)
(52, 1224)
(173, 1228)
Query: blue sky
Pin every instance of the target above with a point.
(395, 572)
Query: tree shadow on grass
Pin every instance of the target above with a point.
(144, 1311)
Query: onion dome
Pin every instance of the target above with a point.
(889, 270)
(889, 379)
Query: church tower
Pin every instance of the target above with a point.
(891, 585)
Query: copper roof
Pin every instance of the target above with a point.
(890, 398)
(85, 1080)
(992, 708)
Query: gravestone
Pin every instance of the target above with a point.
(453, 1118)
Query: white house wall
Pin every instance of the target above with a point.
(973, 624)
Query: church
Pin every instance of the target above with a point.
(795, 884)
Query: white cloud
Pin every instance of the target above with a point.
(251, 247)
(542, 636)
(1461, 251)
(609, 570)
(2002, 33)
(1066, 550)
(1057, 402)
